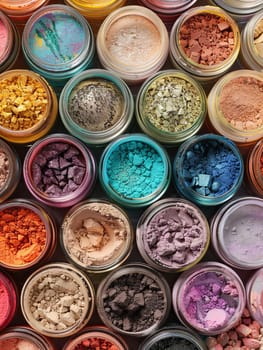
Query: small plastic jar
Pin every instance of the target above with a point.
(241, 11)
(58, 43)
(96, 106)
(9, 297)
(208, 169)
(173, 336)
(251, 50)
(69, 304)
(121, 43)
(236, 233)
(21, 337)
(172, 235)
(19, 11)
(235, 107)
(171, 107)
(190, 45)
(134, 170)
(32, 237)
(10, 43)
(254, 169)
(168, 10)
(28, 105)
(95, 11)
(59, 170)
(209, 298)
(96, 235)
(96, 337)
(134, 300)
(10, 170)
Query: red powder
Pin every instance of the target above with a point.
(3, 39)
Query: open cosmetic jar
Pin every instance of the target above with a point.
(10, 42)
(28, 106)
(32, 234)
(57, 43)
(172, 235)
(96, 106)
(237, 234)
(209, 298)
(57, 300)
(208, 169)
(190, 43)
(9, 300)
(134, 170)
(170, 107)
(121, 43)
(235, 107)
(133, 300)
(96, 235)
(10, 170)
(254, 169)
(21, 337)
(254, 292)
(98, 337)
(59, 170)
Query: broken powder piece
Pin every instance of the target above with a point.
(68, 318)
(51, 316)
(223, 26)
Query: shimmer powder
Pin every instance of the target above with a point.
(3, 39)
(18, 344)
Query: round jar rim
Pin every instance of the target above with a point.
(233, 6)
(167, 6)
(18, 8)
(10, 37)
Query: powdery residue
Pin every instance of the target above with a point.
(3, 39)
(4, 305)
(17, 344)
(241, 102)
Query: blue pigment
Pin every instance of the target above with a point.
(135, 170)
(211, 168)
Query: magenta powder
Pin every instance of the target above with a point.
(7, 301)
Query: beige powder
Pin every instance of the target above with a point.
(133, 39)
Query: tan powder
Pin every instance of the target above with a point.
(241, 102)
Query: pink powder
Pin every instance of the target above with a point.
(4, 304)
(3, 39)
(17, 344)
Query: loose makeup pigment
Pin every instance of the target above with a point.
(207, 39)
(22, 236)
(96, 234)
(56, 38)
(211, 168)
(241, 103)
(96, 104)
(173, 343)
(3, 40)
(8, 301)
(58, 169)
(17, 344)
(4, 169)
(176, 235)
(172, 104)
(258, 37)
(126, 40)
(95, 343)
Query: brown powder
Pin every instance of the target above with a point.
(241, 102)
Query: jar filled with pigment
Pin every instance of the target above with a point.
(9, 42)
(205, 43)
(134, 170)
(10, 170)
(58, 43)
(19, 11)
(31, 237)
(208, 169)
(172, 235)
(134, 300)
(57, 300)
(28, 106)
(173, 337)
(8, 301)
(96, 235)
(209, 298)
(121, 43)
(94, 338)
(235, 107)
(254, 169)
(251, 50)
(96, 106)
(168, 10)
(59, 170)
(237, 235)
(24, 338)
(241, 11)
(254, 293)
(95, 11)
(171, 107)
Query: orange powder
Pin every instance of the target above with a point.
(22, 236)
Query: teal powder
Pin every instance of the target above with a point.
(56, 38)
(135, 170)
